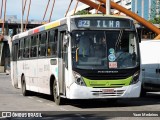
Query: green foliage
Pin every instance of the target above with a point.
(155, 20)
(83, 12)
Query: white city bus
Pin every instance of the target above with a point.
(79, 57)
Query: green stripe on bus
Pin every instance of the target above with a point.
(107, 83)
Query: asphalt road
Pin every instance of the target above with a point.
(11, 100)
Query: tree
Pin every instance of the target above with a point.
(155, 20)
(82, 12)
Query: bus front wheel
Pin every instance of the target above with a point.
(58, 100)
(24, 91)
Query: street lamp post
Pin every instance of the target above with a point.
(108, 7)
(22, 18)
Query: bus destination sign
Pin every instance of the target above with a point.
(103, 23)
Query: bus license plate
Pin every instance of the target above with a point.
(107, 90)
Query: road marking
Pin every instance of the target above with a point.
(40, 101)
(63, 109)
(80, 116)
(21, 94)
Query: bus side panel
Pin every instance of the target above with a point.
(31, 74)
(63, 75)
(43, 80)
(20, 71)
(12, 73)
(14, 77)
(54, 68)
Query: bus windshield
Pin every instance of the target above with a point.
(116, 49)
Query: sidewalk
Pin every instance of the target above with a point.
(4, 73)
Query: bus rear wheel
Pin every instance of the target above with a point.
(58, 100)
(24, 91)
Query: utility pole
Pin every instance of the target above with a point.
(4, 19)
(142, 8)
(22, 18)
(136, 9)
(108, 7)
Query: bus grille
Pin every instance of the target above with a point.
(104, 85)
(115, 93)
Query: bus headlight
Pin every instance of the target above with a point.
(135, 78)
(78, 79)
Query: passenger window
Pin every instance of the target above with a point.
(15, 51)
(26, 51)
(33, 51)
(52, 43)
(21, 49)
(42, 45)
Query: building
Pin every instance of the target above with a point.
(147, 9)
(125, 3)
(155, 8)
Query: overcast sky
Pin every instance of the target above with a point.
(38, 8)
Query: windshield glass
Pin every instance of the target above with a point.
(104, 49)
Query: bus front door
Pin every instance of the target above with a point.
(63, 55)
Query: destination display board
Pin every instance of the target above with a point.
(103, 23)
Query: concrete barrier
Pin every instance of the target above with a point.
(1, 69)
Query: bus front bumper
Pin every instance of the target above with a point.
(83, 92)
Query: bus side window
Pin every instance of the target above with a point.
(48, 43)
(24, 48)
(19, 53)
(15, 51)
(42, 45)
(26, 51)
(21, 49)
(52, 43)
(33, 51)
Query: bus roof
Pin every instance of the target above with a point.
(60, 22)
(40, 28)
(101, 15)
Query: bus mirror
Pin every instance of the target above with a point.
(65, 40)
